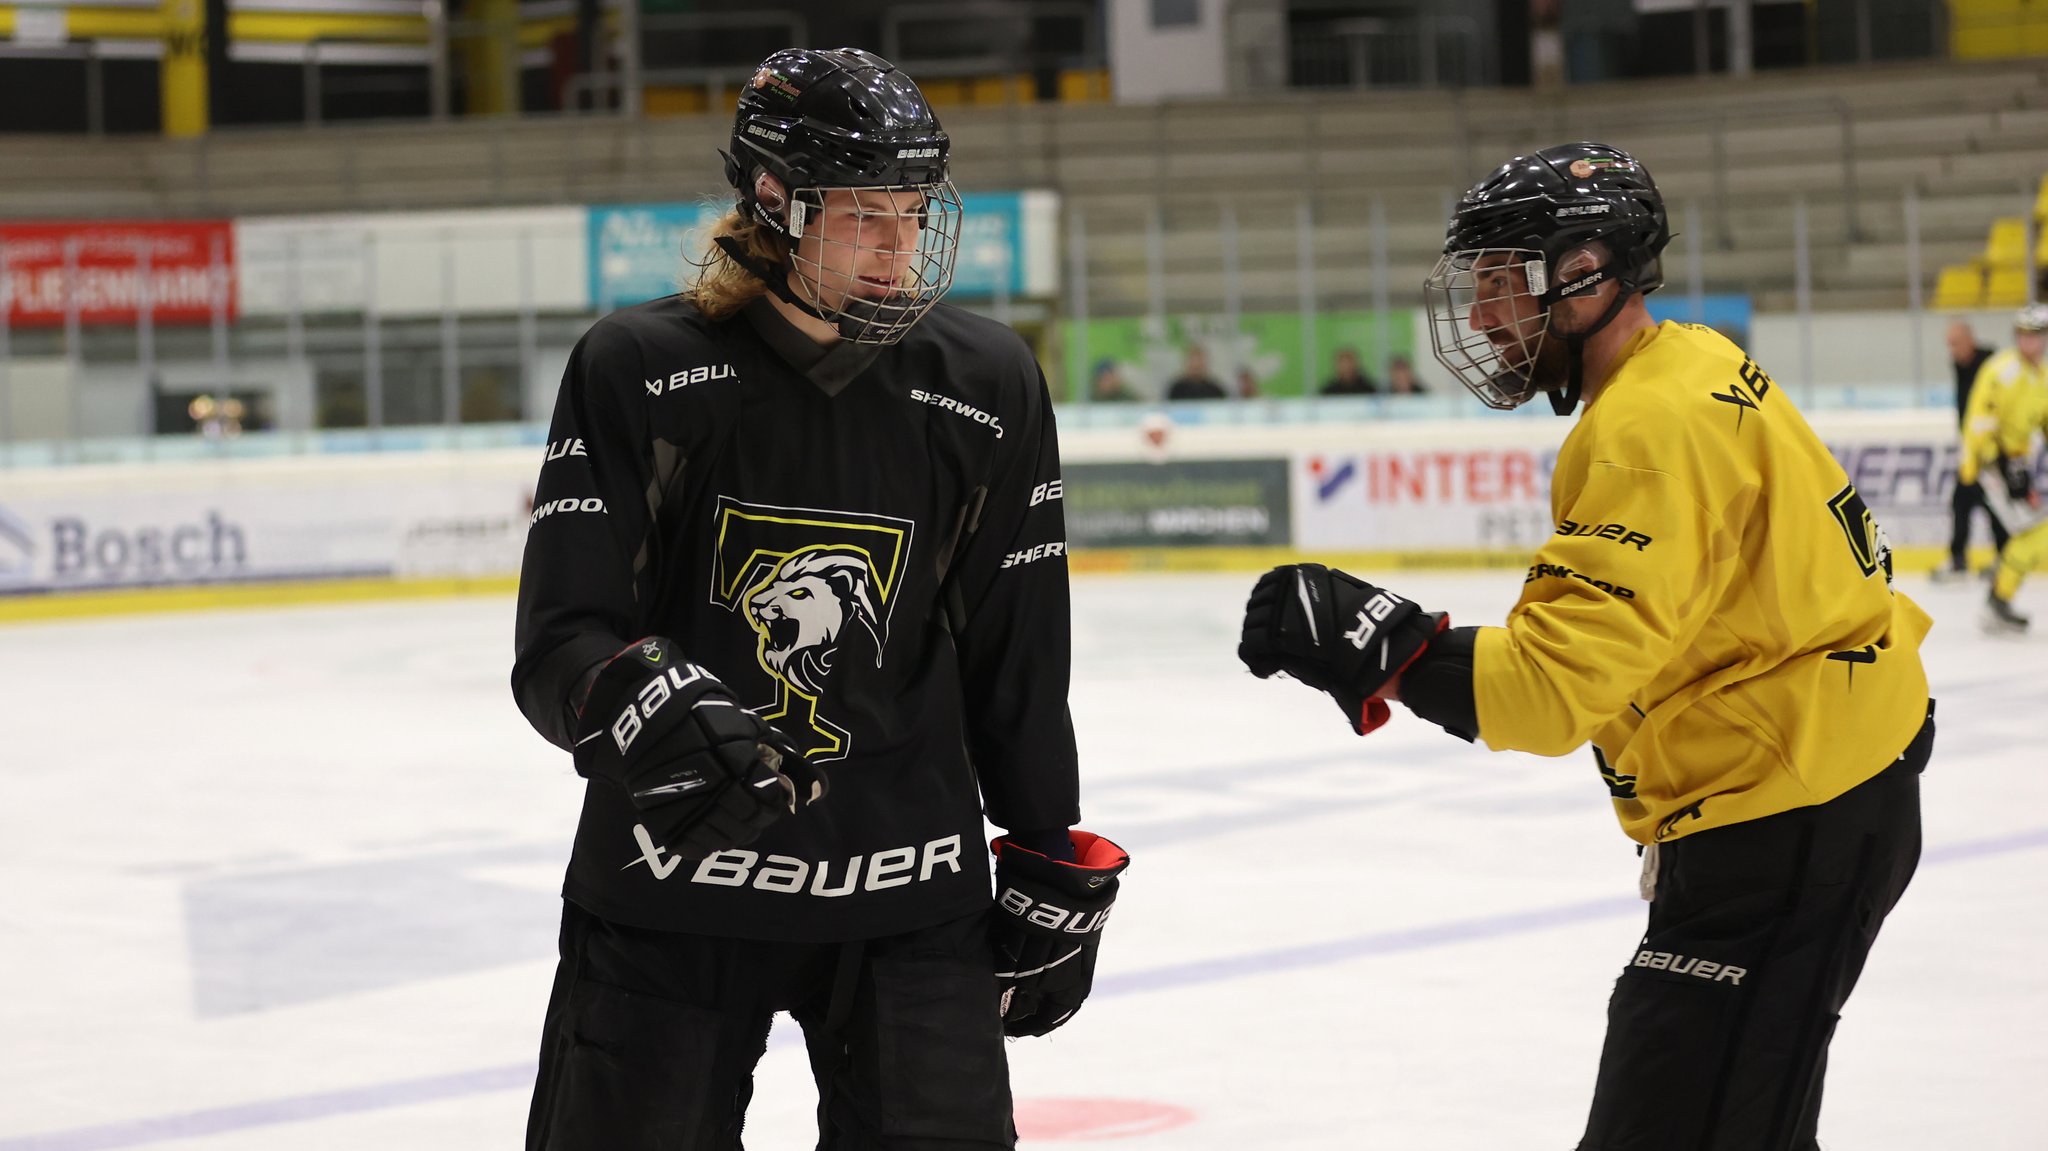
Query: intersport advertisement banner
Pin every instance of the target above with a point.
(1426, 498)
(1433, 496)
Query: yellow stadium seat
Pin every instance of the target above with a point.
(2007, 288)
(999, 90)
(2007, 245)
(943, 92)
(1083, 86)
(1960, 286)
(656, 100)
(1996, 29)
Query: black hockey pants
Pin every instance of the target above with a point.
(1718, 1030)
(652, 1037)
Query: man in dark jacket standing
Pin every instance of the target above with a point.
(1966, 355)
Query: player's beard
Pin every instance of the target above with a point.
(1547, 370)
(1551, 370)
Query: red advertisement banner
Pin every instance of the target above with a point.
(181, 254)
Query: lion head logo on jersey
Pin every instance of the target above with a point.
(816, 587)
(813, 600)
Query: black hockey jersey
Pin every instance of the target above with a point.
(868, 546)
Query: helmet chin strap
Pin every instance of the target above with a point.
(853, 317)
(737, 253)
(737, 175)
(1566, 399)
(1563, 400)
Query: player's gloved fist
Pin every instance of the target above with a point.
(706, 773)
(2019, 479)
(1047, 926)
(1336, 633)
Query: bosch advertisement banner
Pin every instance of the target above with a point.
(1207, 503)
(191, 264)
(256, 523)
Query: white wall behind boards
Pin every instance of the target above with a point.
(414, 262)
(1151, 60)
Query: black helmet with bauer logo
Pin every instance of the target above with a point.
(846, 120)
(1529, 215)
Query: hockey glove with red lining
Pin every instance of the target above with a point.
(705, 773)
(1047, 927)
(1336, 633)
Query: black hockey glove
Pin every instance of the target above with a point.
(1335, 633)
(706, 773)
(2019, 478)
(1047, 927)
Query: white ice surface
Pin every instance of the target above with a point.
(227, 840)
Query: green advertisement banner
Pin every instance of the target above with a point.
(1214, 503)
(1261, 355)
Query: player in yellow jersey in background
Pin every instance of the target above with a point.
(1714, 615)
(2008, 404)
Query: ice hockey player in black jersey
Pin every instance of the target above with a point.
(795, 597)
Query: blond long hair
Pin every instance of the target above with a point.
(721, 287)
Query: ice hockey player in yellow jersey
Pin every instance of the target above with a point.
(1713, 615)
(2008, 404)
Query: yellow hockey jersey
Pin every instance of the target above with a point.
(2007, 402)
(1714, 612)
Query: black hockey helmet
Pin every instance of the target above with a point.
(1530, 213)
(845, 119)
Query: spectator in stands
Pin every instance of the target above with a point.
(1349, 379)
(1195, 382)
(1966, 355)
(1401, 379)
(1546, 44)
(1599, 39)
(1106, 384)
(1247, 382)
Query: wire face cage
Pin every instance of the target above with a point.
(875, 260)
(1487, 320)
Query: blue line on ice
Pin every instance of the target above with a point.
(403, 1092)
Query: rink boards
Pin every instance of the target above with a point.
(1399, 494)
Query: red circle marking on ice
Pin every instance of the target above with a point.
(1079, 1120)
